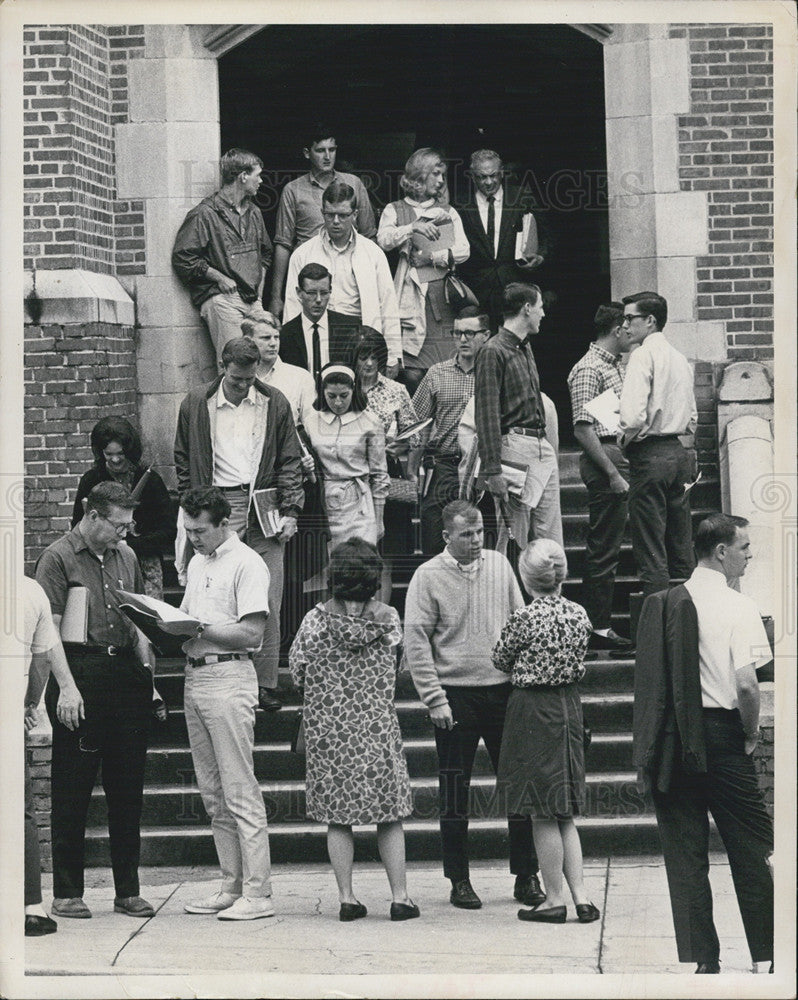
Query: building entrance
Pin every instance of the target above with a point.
(534, 93)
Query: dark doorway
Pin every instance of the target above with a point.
(535, 93)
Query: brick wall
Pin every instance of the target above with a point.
(39, 754)
(73, 376)
(726, 149)
(75, 91)
(764, 761)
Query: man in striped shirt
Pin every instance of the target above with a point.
(604, 471)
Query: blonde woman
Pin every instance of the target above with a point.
(542, 763)
(428, 233)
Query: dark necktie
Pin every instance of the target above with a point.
(492, 225)
(316, 354)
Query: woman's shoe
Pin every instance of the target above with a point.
(551, 915)
(586, 913)
(404, 911)
(351, 911)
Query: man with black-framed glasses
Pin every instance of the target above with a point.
(442, 395)
(657, 408)
(113, 671)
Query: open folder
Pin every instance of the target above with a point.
(164, 625)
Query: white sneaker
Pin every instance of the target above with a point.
(212, 904)
(248, 908)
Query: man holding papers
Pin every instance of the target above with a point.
(603, 468)
(238, 434)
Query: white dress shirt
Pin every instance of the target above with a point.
(658, 396)
(235, 436)
(296, 384)
(482, 207)
(324, 338)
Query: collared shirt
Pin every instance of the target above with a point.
(69, 562)
(40, 632)
(506, 394)
(594, 373)
(443, 394)
(390, 402)
(351, 446)
(391, 235)
(482, 207)
(234, 438)
(345, 297)
(730, 636)
(657, 395)
(223, 587)
(378, 306)
(324, 338)
(299, 216)
(295, 383)
(469, 569)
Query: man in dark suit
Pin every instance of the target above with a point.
(317, 335)
(492, 227)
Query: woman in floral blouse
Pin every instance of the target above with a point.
(542, 764)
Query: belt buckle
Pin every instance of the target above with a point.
(112, 650)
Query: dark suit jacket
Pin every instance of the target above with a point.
(292, 341)
(668, 718)
(485, 274)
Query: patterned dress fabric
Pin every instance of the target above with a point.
(356, 768)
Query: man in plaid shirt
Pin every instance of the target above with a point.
(604, 469)
(442, 395)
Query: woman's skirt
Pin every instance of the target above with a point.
(350, 510)
(439, 320)
(542, 761)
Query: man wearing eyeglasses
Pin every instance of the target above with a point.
(113, 671)
(362, 288)
(442, 395)
(657, 407)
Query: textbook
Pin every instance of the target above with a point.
(75, 619)
(408, 432)
(269, 517)
(445, 241)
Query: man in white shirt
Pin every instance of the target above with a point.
(295, 383)
(657, 406)
(226, 592)
(362, 287)
(239, 434)
(732, 643)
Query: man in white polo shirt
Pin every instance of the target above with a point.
(226, 591)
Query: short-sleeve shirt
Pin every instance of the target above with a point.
(299, 215)
(593, 374)
(69, 562)
(40, 631)
(443, 394)
(730, 636)
(226, 585)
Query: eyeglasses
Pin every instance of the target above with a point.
(628, 317)
(120, 529)
(468, 334)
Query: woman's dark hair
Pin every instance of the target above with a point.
(359, 401)
(355, 570)
(370, 344)
(115, 429)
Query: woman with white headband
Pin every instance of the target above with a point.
(350, 445)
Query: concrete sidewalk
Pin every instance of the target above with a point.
(634, 935)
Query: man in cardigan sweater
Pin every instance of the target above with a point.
(456, 606)
(239, 435)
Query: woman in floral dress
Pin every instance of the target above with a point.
(542, 763)
(344, 659)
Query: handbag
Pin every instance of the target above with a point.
(456, 292)
(403, 491)
(298, 735)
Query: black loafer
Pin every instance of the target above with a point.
(267, 701)
(612, 643)
(551, 915)
(708, 968)
(463, 896)
(404, 911)
(351, 911)
(528, 890)
(36, 926)
(133, 906)
(586, 913)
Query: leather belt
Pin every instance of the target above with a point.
(82, 647)
(609, 439)
(535, 432)
(204, 661)
(240, 488)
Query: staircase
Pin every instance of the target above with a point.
(617, 820)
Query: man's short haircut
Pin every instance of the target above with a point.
(650, 304)
(482, 156)
(714, 530)
(117, 429)
(370, 344)
(209, 498)
(235, 161)
(337, 192)
(473, 312)
(313, 272)
(515, 297)
(240, 351)
(359, 400)
(249, 327)
(607, 318)
(109, 494)
(355, 570)
(459, 508)
(318, 132)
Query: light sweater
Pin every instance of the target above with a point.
(453, 619)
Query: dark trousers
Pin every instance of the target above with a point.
(659, 511)
(444, 486)
(607, 521)
(118, 700)
(729, 790)
(478, 713)
(33, 868)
